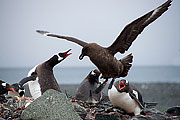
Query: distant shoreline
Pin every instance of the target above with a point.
(74, 75)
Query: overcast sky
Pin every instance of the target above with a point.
(98, 21)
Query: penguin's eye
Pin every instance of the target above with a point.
(60, 56)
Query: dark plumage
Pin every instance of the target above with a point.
(86, 90)
(103, 57)
(45, 77)
(5, 87)
(17, 89)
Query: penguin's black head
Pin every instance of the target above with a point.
(5, 86)
(123, 85)
(20, 90)
(62, 56)
(94, 76)
(83, 52)
(58, 58)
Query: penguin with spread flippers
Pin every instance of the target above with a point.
(86, 90)
(45, 77)
(125, 96)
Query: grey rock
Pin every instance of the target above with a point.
(158, 116)
(175, 111)
(50, 106)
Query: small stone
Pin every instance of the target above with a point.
(150, 111)
(109, 109)
(175, 111)
(99, 110)
(106, 117)
(7, 114)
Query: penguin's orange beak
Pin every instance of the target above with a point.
(121, 85)
(11, 89)
(67, 54)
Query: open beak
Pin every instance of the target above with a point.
(121, 85)
(67, 54)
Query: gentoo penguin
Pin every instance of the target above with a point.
(5, 87)
(19, 87)
(103, 57)
(86, 90)
(45, 77)
(125, 96)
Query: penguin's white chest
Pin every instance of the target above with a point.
(34, 88)
(123, 100)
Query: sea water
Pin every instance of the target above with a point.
(74, 75)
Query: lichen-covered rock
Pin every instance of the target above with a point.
(50, 106)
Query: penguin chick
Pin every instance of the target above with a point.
(86, 90)
(125, 96)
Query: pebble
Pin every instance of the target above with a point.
(11, 108)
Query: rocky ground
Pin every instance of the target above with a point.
(167, 96)
(11, 108)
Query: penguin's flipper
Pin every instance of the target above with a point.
(27, 79)
(100, 88)
(111, 83)
(133, 96)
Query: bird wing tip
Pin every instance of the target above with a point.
(42, 32)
